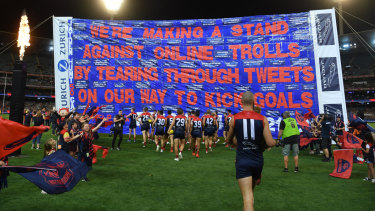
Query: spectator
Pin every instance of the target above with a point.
(27, 117)
(38, 120)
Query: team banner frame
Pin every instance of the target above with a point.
(291, 62)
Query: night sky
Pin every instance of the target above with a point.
(38, 10)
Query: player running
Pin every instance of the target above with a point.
(227, 120)
(145, 119)
(133, 123)
(209, 123)
(167, 134)
(253, 136)
(196, 132)
(179, 122)
(154, 114)
(159, 124)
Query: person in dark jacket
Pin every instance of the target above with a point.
(27, 117)
(38, 120)
(53, 121)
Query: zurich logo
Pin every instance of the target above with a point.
(62, 65)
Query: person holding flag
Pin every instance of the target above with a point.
(86, 150)
(253, 136)
(289, 132)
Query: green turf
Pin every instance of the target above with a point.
(139, 178)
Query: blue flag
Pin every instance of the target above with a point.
(69, 172)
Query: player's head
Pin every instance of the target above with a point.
(161, 112)
(286, 114)
(247, 99)
(180, 111)
(145, 109)
(229, 111)
(189, 113)
(169, 112)
(197, 113)
(120, 112)
(208, 111)
(132, 109)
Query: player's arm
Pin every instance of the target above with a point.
(152, 119)
(204, 121)
(231, 132)
(267, 134)
(154, 122)
(138, 119)
(187, 125)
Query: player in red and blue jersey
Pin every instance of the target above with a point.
(133, 123)
(159, 124)
(228, 118)
(253, 136)
(169, 122)
(179, 122)
(209, 123)
(196, 132)
(145, 119)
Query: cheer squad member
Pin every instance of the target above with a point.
(179, 122)
(86, 150)
(169, 122)
(145, 119)
(159, 124)
(68, 143)
(196, 132)
(252, 130)
(369, 157)
(209, 123)
(133, 123)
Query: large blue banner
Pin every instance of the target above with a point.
(195, 64)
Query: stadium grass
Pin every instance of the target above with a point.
(137, 178)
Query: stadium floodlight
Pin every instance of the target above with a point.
(113, 6)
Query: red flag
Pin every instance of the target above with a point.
(96, 148)
(96, 110)
(14, 135)
(351, 141)
(309, 114)
(343, 163)
(301, 120)
(87, 106)
(304, 141)
(106, 124)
